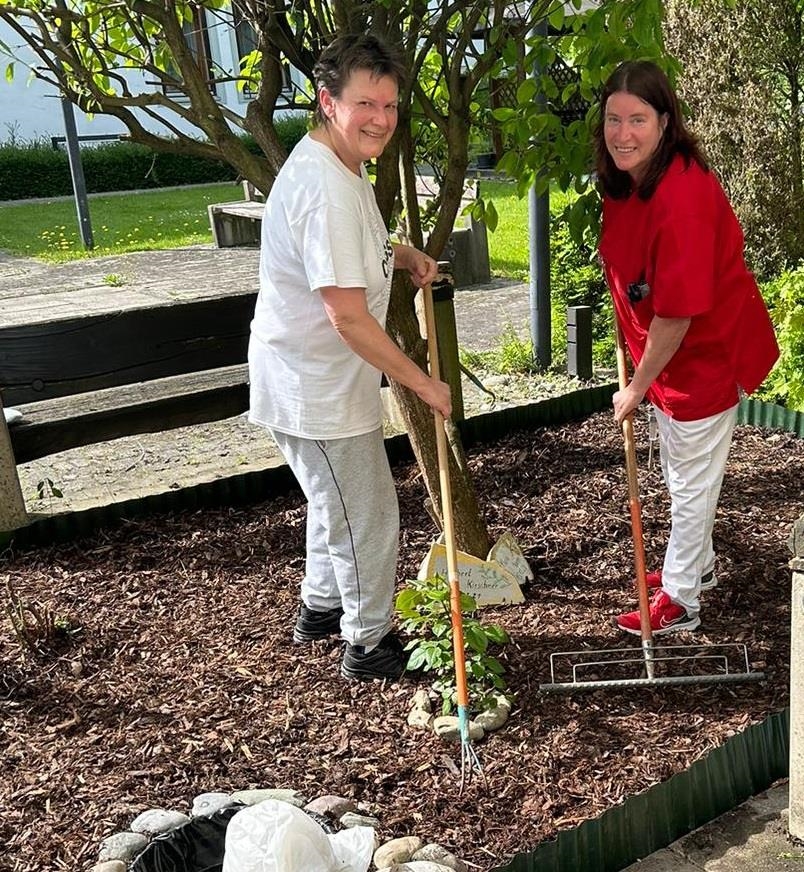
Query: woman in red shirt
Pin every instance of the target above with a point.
(693, 319)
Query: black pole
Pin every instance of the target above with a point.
(539, 250)
(77, 174)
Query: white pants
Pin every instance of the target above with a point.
(693, 456)
(352, 530)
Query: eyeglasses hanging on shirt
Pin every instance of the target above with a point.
(637, 291)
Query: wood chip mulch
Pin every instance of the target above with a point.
(182, 678)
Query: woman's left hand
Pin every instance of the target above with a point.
(422, 268)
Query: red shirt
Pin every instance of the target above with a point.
(686, 245)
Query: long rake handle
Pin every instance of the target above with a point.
(446, 510)
(635, 506)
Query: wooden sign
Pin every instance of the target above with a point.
(491, 582)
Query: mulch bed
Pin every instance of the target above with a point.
(183, 678)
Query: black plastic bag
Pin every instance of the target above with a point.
(198, 845)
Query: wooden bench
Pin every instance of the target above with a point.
(238, 224)
(91, 379)
(467, 249)
(84, 380)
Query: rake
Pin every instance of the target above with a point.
(469, 760)
(705, 663)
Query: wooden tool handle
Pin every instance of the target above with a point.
(634, 503)
(446, 508)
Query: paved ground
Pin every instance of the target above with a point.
(31, 291)
(752, 838)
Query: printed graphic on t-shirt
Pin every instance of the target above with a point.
(387, 257)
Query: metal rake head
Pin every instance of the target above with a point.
(704, 663)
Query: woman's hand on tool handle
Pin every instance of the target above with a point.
(348, 313)
(438, 397)
(421, 267)
(664, 338)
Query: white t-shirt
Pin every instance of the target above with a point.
(321, 228)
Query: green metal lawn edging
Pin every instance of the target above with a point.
(759, 414)
(258, 485)
(744, 765)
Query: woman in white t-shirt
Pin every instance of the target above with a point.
(318, 348)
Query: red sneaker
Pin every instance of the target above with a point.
(665, 617)
(708, 581)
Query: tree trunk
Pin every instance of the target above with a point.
(471, 534)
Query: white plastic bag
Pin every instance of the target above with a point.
(275, 836)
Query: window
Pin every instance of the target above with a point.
(196, 33)
(246, 42)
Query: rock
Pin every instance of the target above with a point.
(122, 846)
(109, 866)
(493, 718)
(206, 804)
(252, 797)
(446, 727)
(437, 854)
(353, 819)
(396, 851)
(332, 806)
(419, 866)
(796, 541)
(157, 820)
(421, 700)
(420, 718)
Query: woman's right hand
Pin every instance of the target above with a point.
(438, 396)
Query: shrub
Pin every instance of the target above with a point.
(38, 170)
(576, 279)
(424, 609)
(785, 298)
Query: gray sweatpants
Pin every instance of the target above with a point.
(352, 529)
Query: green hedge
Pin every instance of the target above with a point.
(38, 170)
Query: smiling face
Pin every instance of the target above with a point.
(633, 130)
(362, 120)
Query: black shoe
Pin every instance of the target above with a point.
(311, 625)
(387, 660)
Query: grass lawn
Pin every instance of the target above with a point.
(120, 223)
(508, 244)
(177, 217)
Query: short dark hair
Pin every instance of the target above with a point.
(646, 80)
(356, 51)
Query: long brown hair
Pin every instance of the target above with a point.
(644, 79)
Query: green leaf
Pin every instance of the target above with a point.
(468, 602)
(496, 634)
(10, 72)
(476, 639)
(556, 17)
(494, 665)
(526, 91)
(416, 659)
(504, 113)
(492, 217)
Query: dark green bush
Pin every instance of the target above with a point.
(26, 171)
(576, 279)
(38, 170)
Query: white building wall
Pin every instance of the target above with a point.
(31, 109)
